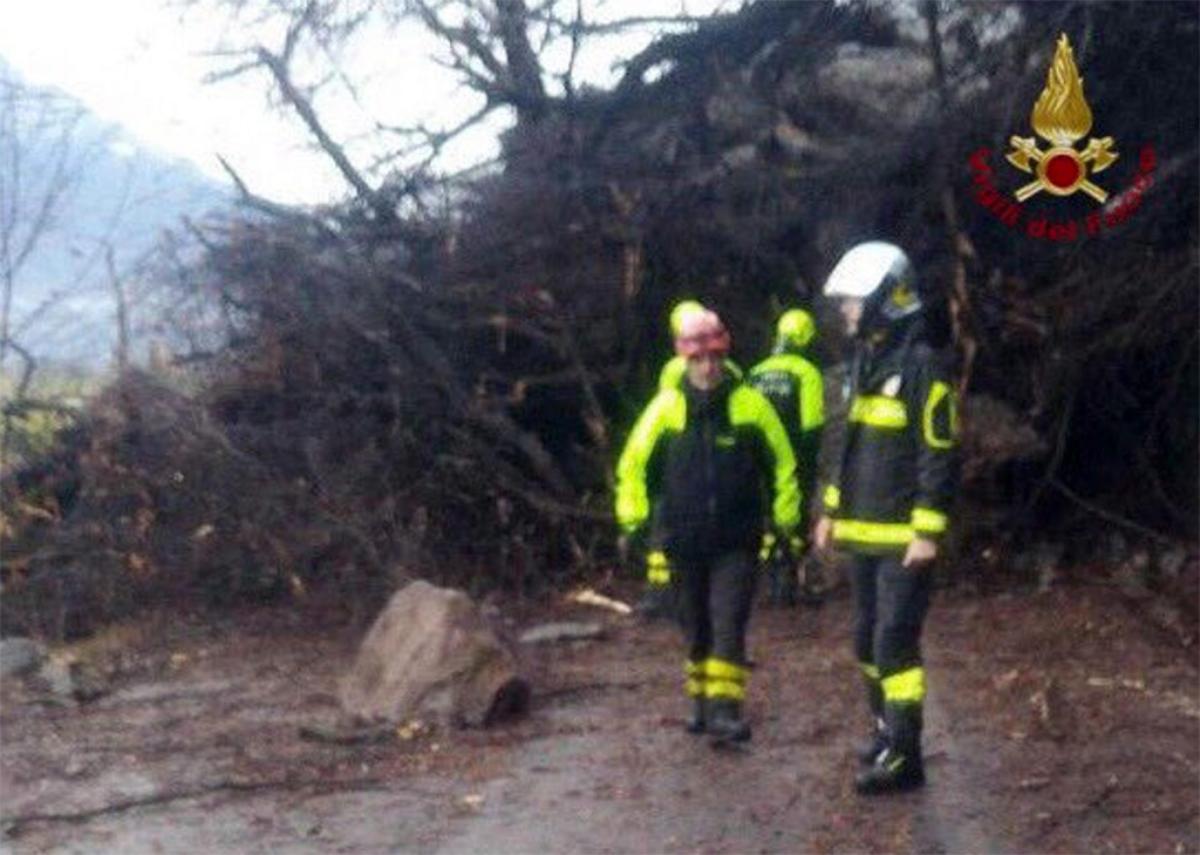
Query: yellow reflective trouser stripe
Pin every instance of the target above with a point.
(833, 497)
(694, 682)
(658, 568)
(725, 689)
(928, 520)
(723, 669)
(879, 411)
(725, 679)
(880, 534)
(869, 670)
(906, 687)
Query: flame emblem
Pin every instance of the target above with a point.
(1062, 116)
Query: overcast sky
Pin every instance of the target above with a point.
(142, 63)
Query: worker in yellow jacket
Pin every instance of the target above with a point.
(792, 382)
(658, 600)
(716, 448)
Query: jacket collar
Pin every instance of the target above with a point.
(703, 403)
(887, 355)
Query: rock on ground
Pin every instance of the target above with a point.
(431, 653)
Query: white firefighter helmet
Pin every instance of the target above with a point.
(879, 274)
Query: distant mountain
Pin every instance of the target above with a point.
(119, 194)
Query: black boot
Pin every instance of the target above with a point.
(899, 767)
(876, 745)
(781, 590)
(812, 586)
(871, 750)
(696, 721)
(725, 722)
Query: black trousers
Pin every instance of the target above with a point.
(715, 595)
(891, 602)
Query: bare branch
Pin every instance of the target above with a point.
(278, 67)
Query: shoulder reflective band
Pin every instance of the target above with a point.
(939, 392)
(833, 497)
(907, 687)
(877, 534)
(928, 520)
(879, 411)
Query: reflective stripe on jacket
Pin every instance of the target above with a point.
(711, 458)
(897, 471)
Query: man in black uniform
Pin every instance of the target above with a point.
(888, 503)
(715, 448)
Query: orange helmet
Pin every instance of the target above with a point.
(702, 333)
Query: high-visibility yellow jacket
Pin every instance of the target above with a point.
(711, 458)
(793, 384)
(898, 464)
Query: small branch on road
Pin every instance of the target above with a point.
(14, 825)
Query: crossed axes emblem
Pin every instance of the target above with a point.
(1061, 170)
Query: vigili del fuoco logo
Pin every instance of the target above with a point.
(1061, 117)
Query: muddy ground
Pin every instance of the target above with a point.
(1057, 722)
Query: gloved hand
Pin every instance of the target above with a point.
(767, 546)
(792, 542)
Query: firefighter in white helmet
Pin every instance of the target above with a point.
(888, 503)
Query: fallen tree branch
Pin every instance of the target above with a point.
(14, 825)
(353, 736)
(597, 686)
(1109, 515)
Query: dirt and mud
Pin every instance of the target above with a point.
(1057, 722)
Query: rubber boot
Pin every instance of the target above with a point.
(784, 584)
(725, 722)
(875, 745)
(899, 767)
(697, 720)
(812, 586)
